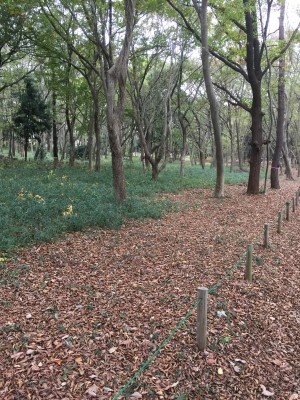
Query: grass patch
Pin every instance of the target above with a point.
(38, 203)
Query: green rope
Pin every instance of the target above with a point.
(212, 289)
(157, 351)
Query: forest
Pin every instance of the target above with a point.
(149, 151)
(115, 79)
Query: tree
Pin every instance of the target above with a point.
(98, 24)
(212, 99)
(242, 47)
(32, 118)
(14, 46)
(281, 109)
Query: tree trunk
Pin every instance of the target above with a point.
(117, 75)
(26, 147)
(96, 119)
(238, 144)
(253, 62)
(54, 131)
(286, 160)
(154, 172)
(71, 136)
(114, 134)
(90, 138)
(256, 145)
(281, 109)
(213, 103)
(183, 125)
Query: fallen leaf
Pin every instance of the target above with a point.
(35, 367)
(78, 360)
(92, 391)
(171, 386)
(211, 361)
(16, 356)
(136, 395)
(220, 371)
(237, 369)
(294, 396)
(57, 361)
(221, 314)
(125, 342)
(266, 392)
(239, 360)
(112, 350)
(107, 389)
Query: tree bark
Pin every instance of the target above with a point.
(253, 62)
(213, 103)
(96, 120)
(115, 77)
(54, 131)
(281, 109)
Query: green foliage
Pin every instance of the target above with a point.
(32, 118)
(38, 204)
(82, 152)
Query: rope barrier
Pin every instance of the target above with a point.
(211, 290)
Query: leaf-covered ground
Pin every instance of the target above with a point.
(78, 317)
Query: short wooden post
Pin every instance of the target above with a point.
(297, 198)
(279, 222)
(266, 236)
(248, 273)
(202, 318)
(293, 204)
(287, 214)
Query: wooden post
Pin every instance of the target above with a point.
(279, 222)
(266, 236)
(293, 204)
(202, 318)
(287, 214)
(248, 273)
(297, 198)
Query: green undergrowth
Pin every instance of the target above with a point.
(38, 203)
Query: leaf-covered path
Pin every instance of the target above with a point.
(79, 316)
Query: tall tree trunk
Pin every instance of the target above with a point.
(213, 103)
(54, 131)
(70, 125)
(26, 143)
(70, 121)
(90, 138)
(116, 76)
(114, 135)
(281, 108)
(256, 143)
(253, 61)
(183, 125)
(96, 119)
(238, 144)
(286, 160)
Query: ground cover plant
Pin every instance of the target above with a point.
(79, 316)
(38, 203)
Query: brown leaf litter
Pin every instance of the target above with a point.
(80, 315)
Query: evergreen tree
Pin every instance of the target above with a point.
(32, 118)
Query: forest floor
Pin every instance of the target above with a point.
(78, 317)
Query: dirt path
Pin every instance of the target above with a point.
(79, 316)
